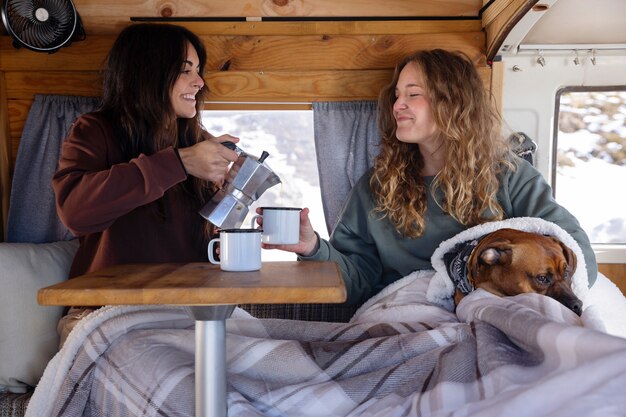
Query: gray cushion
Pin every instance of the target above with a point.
(28, 336)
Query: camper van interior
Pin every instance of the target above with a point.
(276, 70)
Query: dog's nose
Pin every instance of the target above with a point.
(577, 307)
(563, 294)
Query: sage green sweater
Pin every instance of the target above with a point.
(372, 254)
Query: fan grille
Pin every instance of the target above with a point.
(41, 25)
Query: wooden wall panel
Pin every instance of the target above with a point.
(497, 85)
(296, 85)
(340, 52)
(494, 9)
(109, 16)
(18, 112)
(272, 86)
(341, 27)
(278, 8)
(616, 273)
(79, 56)
(499, 26)
(309, 52)
(24, 85)
(6, 162)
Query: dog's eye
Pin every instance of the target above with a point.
(544, 279)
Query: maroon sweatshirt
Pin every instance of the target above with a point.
(124, 211)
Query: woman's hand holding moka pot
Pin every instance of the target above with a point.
(209, 160)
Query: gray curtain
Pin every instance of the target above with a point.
(32, 211)
(346, 143)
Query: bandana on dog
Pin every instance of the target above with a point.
(456, 264)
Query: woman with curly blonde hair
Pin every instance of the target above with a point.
(443, 167)
(464, 156)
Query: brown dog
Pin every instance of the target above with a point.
(510, 262)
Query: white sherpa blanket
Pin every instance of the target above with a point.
(604, 306)
(441, 288)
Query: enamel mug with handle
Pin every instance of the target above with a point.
(281, 225)
(240, 250)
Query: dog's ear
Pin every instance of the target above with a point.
(570, 258)
(496, 255)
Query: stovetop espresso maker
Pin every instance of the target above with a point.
(247, 180)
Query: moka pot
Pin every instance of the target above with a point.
(247, 180)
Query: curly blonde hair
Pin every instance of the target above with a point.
(475, 150)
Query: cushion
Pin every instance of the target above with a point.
(28, 335)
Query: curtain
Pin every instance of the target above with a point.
(346, 143)
(32, 211)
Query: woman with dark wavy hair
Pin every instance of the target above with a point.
(133, 175)
(443, 167)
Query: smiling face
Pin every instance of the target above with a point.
(187, 85)
(412, 111)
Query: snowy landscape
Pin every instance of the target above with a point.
(591, 155)
(288, 138)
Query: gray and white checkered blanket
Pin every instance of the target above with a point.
(401, 355)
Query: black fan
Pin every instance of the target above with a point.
(42, 25)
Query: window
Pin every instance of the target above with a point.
(287, 135)
(590, 155)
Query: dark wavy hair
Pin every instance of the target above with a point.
(138, 75)
(476, 152)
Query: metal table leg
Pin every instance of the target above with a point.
(210, 359)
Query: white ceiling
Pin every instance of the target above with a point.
(580, 22)
(570, 24)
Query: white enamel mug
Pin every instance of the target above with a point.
(240, 250)
(281, 225)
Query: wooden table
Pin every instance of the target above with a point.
(211, 295)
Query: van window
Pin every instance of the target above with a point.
(287, 135)
(590, 157)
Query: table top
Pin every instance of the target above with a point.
(200, 284)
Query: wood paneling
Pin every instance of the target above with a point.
(18, 112)
(6, 160)
(345, 27)
(79, 56)
(109, 16)
(277, 8)
(24, 85)
(499, 26)
(251, 53)
(296, 85)
(493, 10)
(497, 84)
(616, 273)
(224, 86)
(337, 52)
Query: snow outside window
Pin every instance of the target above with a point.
(287, 135)
(591, 161)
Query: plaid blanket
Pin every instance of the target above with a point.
(401, 355)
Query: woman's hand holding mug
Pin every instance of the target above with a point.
(308, 241)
